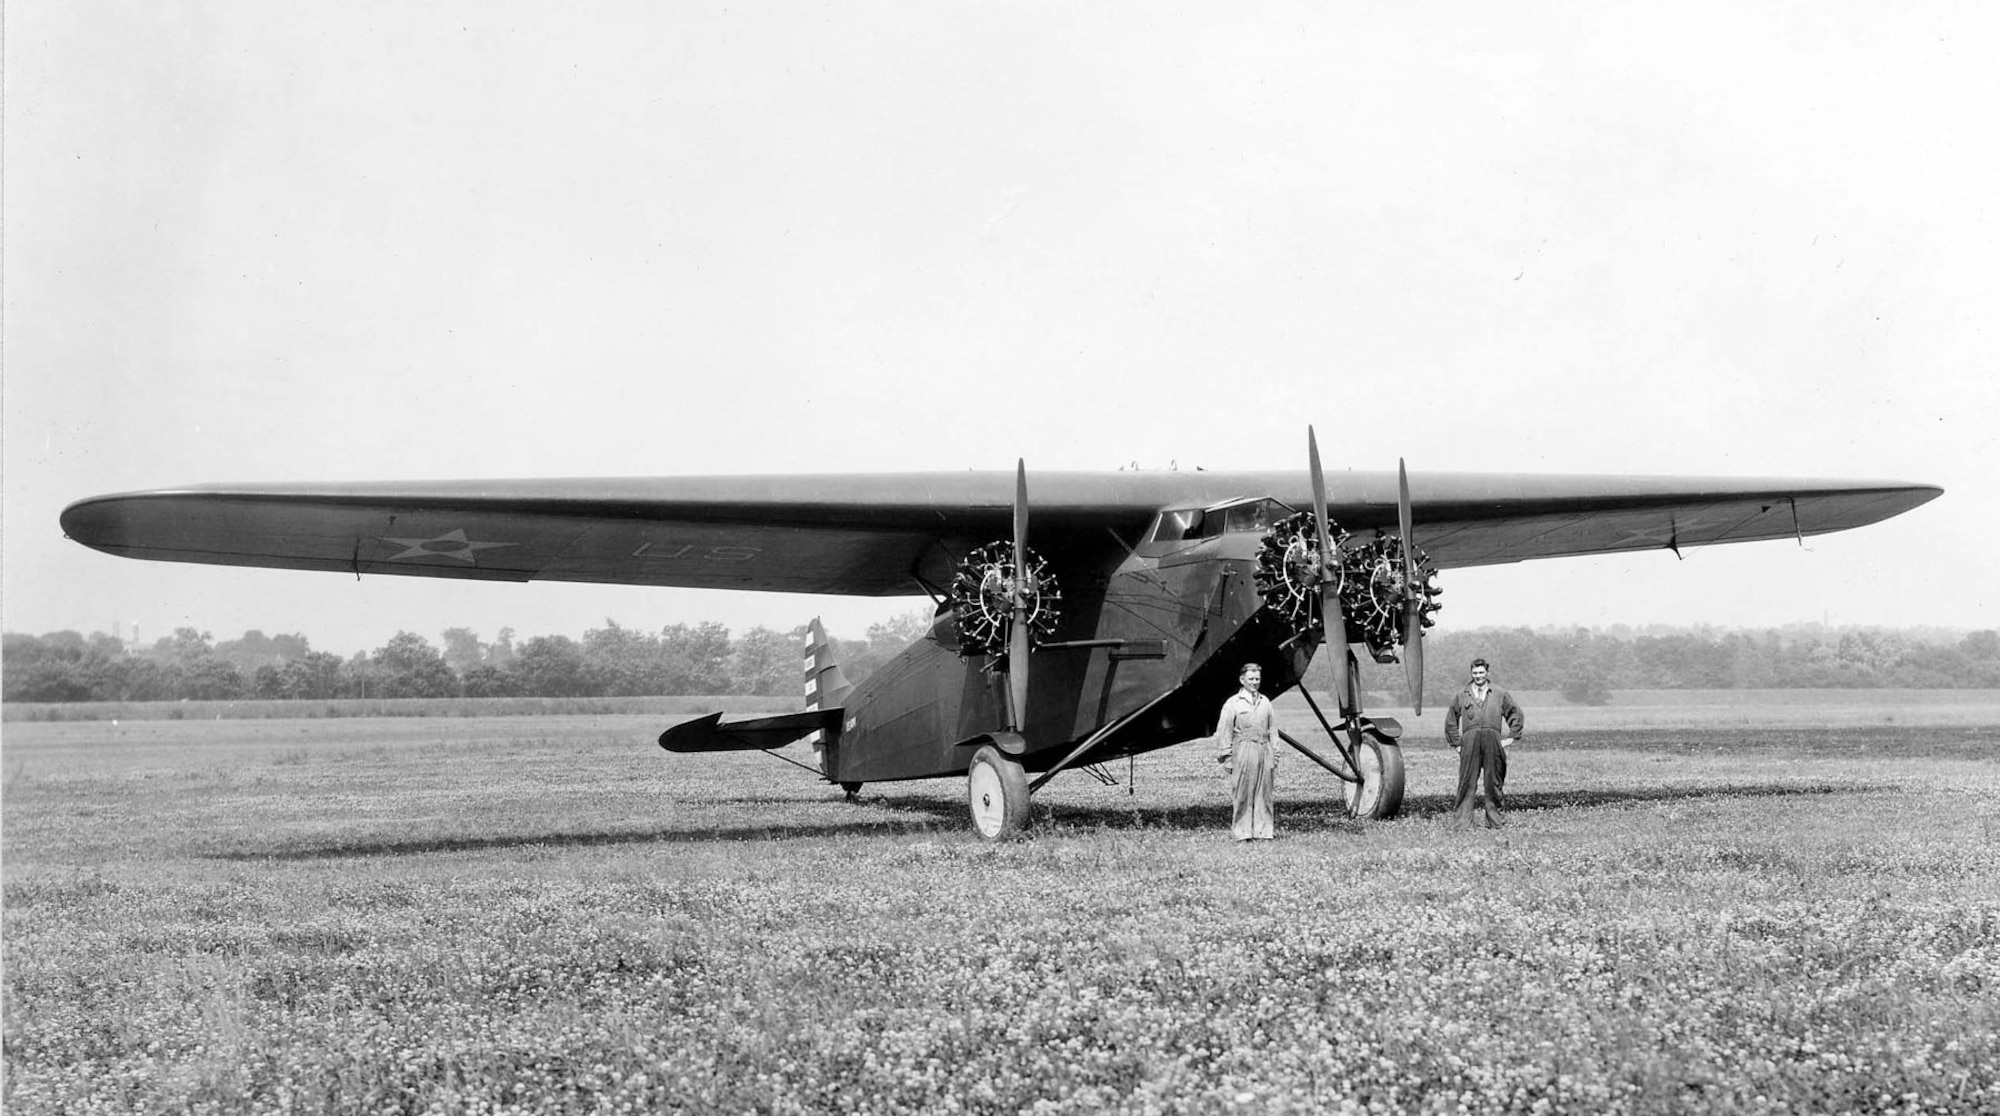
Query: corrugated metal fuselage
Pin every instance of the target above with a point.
(1165, 633)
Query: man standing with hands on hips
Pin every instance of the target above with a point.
(1482, 722)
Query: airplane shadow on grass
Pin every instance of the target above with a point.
(914, 816)
(1327, 814)
(945, 814)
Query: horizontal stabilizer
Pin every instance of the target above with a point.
(710, 734)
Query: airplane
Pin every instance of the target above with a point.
(1107, 619)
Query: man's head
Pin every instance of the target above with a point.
(1479, 672)
(1251, 676)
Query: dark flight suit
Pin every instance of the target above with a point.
(1474, 726)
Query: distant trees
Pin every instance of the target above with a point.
(622, 662)
(408, 666)
(766, 662)
(611, 660)
(1587, 686)
(1595, 662)
(462, 649)
(315, 674)
(696, 658)
(552, 666)
(703, 658)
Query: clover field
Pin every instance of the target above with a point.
(529, 914)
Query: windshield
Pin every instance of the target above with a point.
(1178, 524)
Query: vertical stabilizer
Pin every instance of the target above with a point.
(826, 686)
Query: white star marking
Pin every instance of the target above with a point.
(451, 544)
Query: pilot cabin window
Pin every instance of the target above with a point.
(1181, 523)
(1257, 515)
(1188, 524)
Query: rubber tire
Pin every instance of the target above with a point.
(1379, 795)
(996, 792)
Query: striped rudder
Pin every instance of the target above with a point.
(826, 687)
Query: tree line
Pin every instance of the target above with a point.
(1586, 665)
(706, 659)
(611, 661)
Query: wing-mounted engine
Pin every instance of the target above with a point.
(985, 590)
(1369, 576)
(1378, 586)
(1004, 601)
(1289, 570)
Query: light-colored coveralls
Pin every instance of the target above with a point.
(1250, 733)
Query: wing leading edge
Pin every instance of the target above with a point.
(877, 534)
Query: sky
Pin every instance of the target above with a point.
(272, 241)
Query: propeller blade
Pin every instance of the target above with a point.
(1403, 513)
(1020, 506)
(1413, 598)
(1017, 677)
(1331, 616)
(1017, 636)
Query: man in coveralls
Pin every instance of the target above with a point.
(1250, 734)
(1483, 721)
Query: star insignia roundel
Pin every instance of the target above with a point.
(451, 544)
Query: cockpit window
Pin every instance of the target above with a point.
(1179, 524)
(1256, 515)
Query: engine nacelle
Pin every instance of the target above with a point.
(1369, 577)
(982, 595)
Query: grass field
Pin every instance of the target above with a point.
(1695, 909)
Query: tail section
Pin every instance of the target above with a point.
(826, 686)
(818, 725)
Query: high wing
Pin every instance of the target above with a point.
(889, 534)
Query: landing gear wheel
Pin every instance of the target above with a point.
(997, 791)
(853, 791)
(1379, 794)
